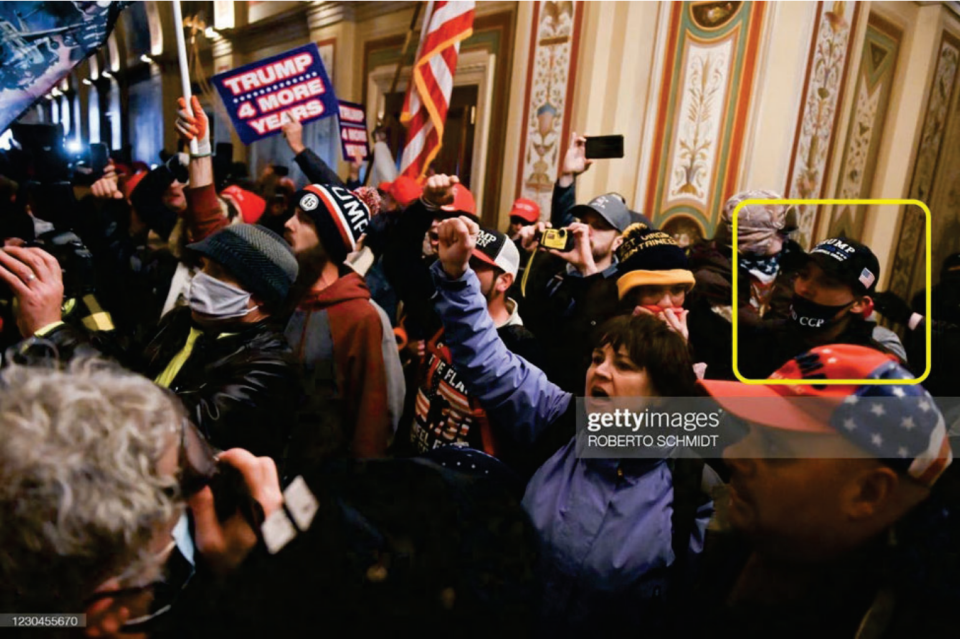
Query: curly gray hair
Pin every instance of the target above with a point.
(81, 495)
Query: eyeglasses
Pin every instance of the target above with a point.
(197, 466)
(159, 595)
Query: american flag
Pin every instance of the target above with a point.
(445, 25)
(899, 423)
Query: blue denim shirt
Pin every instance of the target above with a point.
(605, 524)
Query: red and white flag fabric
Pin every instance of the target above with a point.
(445, 26)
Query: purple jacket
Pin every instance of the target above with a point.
(605, 524)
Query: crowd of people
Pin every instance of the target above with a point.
(237, 407)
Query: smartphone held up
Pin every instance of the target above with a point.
(604, 147)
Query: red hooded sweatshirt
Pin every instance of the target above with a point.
(340, 325)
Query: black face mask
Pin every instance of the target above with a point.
(810, 316)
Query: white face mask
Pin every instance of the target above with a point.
(212, 297)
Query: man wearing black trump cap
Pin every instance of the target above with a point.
(831, 301)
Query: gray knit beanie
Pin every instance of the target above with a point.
(259, 258)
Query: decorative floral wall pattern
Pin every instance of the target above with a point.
(909, 252)
(944, 199)
(861, 135)
(823, 91)
(874, 81)
(546, 118)
(702, 107)
(700, 110)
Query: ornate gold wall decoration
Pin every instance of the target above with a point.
(546, 114)
(873, 85)
(823, 92)
(907, 273)
(702, 109)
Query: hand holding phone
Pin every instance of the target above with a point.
(574, 161)
(602, 147)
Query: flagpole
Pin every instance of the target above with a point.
(184, 67)
(393, 85)
(396, 79)
(406, 45)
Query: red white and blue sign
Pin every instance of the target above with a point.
(258, 95)
(353, 132)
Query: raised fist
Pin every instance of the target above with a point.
(438, 190)
(458, 238)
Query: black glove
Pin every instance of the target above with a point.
(891, 306)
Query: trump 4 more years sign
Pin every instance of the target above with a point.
(353, 132)
(259, 94)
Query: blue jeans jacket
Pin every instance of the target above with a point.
(605, 524)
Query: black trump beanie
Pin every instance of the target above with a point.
(339, 215)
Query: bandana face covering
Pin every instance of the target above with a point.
(217, 299)
(811, 316)
(768, 266)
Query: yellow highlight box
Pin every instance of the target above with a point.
(835, 382)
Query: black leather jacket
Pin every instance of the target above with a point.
(241, 388)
